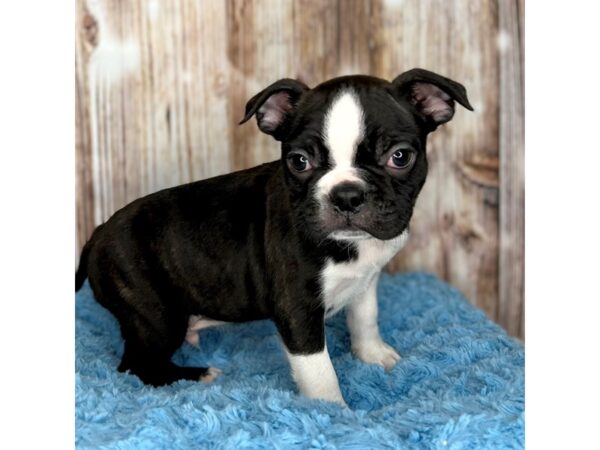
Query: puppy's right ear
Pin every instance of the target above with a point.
(274, 105)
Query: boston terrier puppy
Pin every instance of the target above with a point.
(294, 240)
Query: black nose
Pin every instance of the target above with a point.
(347, 197)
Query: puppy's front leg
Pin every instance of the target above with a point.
(312, 370)
(315, 376)
(364, 331)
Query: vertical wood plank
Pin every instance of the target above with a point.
(512, 178)
(315, 25)
(354, 53)
(208, 83)
(113, 59)
(241, 53)
(86, 32)
(259, 51)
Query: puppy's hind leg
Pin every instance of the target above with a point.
(151, 339)
(148, 352)
(153, 329)
(153, 366)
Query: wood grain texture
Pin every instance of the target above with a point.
(512, 177)
(162, 84)
(86, 31)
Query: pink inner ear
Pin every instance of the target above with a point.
(433, 102)
(273, 111)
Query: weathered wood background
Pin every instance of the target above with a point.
(162, 84)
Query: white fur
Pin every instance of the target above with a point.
(315, 376)
(197, 323)
(364, 331)
(354, 284)
(343, 130)
(350, 235)
(211, 375)
(343, 283)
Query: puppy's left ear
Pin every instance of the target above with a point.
(432, 95)
(274, 105)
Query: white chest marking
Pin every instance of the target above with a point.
(342, 283)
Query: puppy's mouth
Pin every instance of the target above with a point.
(350, 235)
(357, 229)
(348, 230)
(366, 224)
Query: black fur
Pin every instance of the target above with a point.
(251, 244)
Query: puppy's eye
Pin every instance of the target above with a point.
(401, 159)
(299, 162)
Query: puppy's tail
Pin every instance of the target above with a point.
(81, 273)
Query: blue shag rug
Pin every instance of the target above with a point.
(459, 385)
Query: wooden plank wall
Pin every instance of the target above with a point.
(162, 84)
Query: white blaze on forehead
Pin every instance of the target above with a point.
(343, 130)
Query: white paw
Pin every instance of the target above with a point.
(342, 403)
(211, 374)
(377, 352)
(192, 338)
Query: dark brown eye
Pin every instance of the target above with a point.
(299, 162)
(401, 159)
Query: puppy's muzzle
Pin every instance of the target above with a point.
(347, 197)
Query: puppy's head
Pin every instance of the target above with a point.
(353, 147)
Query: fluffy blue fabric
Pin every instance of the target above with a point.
(459, 384)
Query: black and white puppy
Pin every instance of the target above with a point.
(294, 241)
